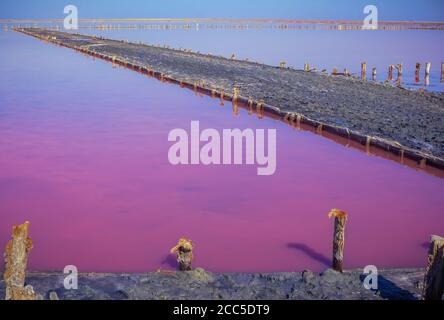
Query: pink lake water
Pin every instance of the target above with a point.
(83, 157)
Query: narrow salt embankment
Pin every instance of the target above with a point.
(409, 124)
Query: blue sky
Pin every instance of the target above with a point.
(424, 10)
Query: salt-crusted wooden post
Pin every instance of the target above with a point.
(427, 69)
(417, 71)
(16, 260)
(338, 238)
(434, 278)
(363, 70)
(374, 74)
(184, 253)
(427, 74)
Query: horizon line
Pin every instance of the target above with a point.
(293, 21)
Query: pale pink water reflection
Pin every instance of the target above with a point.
(84, 157)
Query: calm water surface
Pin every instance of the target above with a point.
(83, 157)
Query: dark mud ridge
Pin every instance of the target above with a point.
(398, 284)
(405, 122)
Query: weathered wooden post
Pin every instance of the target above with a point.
(374, 74)
(259, 108)
(417, 71)
(399, 68)
(368, 143)
(427, 74)
(433, 288)
(201, 84)
(363, 70)
(250, 105)
(442, 71)
(16, 260)
(390, 72)
(427, 69)
(184, 253)
(236, 93)
(338, 238)
(298, 121)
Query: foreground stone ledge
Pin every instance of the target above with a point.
(398, 284)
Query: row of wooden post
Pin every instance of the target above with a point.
(17, 250)
(399, 68)
(391, 68)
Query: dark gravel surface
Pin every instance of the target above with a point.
(398, 284)
(413, 118)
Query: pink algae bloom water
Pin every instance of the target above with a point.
(83, 157)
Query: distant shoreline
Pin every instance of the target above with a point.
(227, 20)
